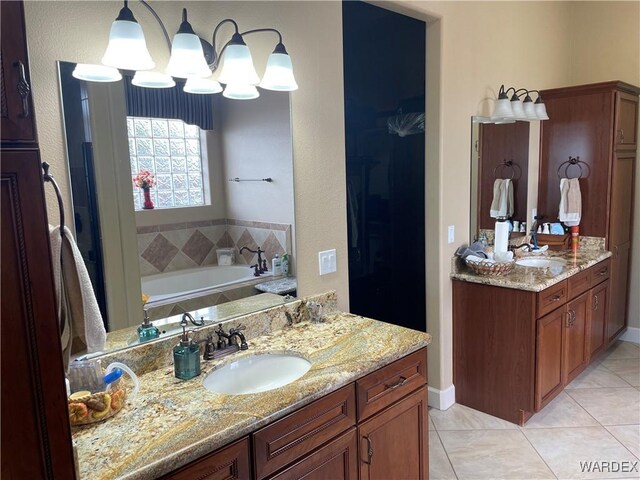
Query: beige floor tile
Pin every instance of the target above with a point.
(564, 448)
(597, 377)
(563, 411)
(610, 406)
(459, 417)
(493, 454)
(623, 350)
(629, 436)
(431, 425)
(626, 368)
(439, 465)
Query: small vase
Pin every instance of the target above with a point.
(148, 203)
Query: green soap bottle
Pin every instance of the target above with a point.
(186, 356)
(147, 331)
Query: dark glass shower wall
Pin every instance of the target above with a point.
(384, 84)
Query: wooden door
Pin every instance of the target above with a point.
(550, 338)
(16, 119)
(36, 436)
(228, 463)
(394, 443)
(621, 212)
(337, 460)
(626, 125)
(619, 290)
(597, 330)
(575, 336)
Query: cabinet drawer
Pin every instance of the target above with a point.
(552, 298)
(295, 435)
(600, 272)
(579, 283)
(389, 384)
(228, 463)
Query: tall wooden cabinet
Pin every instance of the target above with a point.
(599, 124)
(36, 438)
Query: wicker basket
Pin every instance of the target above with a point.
(98, 406)
(490, 269)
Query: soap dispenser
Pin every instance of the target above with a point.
(186, 356)
(147, 331)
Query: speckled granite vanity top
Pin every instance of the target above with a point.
(531, 278)
(174, 422)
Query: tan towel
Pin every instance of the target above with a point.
(570, 209)
(502, 203)
(78, 308)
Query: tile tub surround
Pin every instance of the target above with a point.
(533, 279)
(179, 246)
(173, 422)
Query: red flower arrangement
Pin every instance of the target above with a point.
(144, 179)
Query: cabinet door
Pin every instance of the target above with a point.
(550, 335)
(597, 333)
(620, 214)
(619, 290)
(228, 463)
(337, 460)
(575, 337)
(394, 443)
(17, 113)
(626, 127)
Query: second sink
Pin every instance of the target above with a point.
(255, 374)
(539, 262)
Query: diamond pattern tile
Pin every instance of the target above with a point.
(246, 240)
(197, 247)
(271, 247)
(160, 252)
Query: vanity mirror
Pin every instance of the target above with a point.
(176, 197)
(498, 152)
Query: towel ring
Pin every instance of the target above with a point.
(508, 164)
(567, 164)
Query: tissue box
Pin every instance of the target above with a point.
(225, 256)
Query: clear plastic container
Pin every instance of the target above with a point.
(225, 256)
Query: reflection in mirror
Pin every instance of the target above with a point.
(156, 216)
(498, 152)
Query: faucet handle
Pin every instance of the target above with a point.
(239, 328)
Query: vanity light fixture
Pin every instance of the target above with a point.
(192, 58)
(509, 110)
(96, 73)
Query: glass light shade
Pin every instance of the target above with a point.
(238, 67)
(96, 73)
(202, 86)
(238, 91)
(503, 109)
(501, 121)
(518, 110)
(187, 58)
(541, 111)
(279, 74)
(153, 80)
(127, 48)
(530, 110)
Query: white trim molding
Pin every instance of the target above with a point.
(632, 334)
(442, 399)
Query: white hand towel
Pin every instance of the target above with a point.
(570, 209)
(77, 305)
(502, 203)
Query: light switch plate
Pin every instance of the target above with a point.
(327, 261)
(451, 234)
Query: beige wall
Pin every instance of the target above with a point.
(479, 46)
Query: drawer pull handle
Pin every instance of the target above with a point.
(399, 383)
(567, 322)
(595, 303)
(603, 272)
(555, 298)
(369, 451)
(23, 88)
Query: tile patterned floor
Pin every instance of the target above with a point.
(596, 418)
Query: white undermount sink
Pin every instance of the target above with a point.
(255, 374)
(540, 262)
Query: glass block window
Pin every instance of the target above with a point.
(171, 151)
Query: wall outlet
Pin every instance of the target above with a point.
(327, 261)
(451, 234)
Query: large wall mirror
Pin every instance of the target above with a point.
(222, 187)
(498, 152)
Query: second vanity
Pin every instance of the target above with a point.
(360, 411)
(519, 339)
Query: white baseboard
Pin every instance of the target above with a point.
(632, 334)
(442, 399)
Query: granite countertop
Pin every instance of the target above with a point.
(174, 422)
(531, 278)
(280, 286)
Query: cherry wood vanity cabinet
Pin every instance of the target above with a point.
(597, 123)
(515, 350)
(35, 433)
(376, 427)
